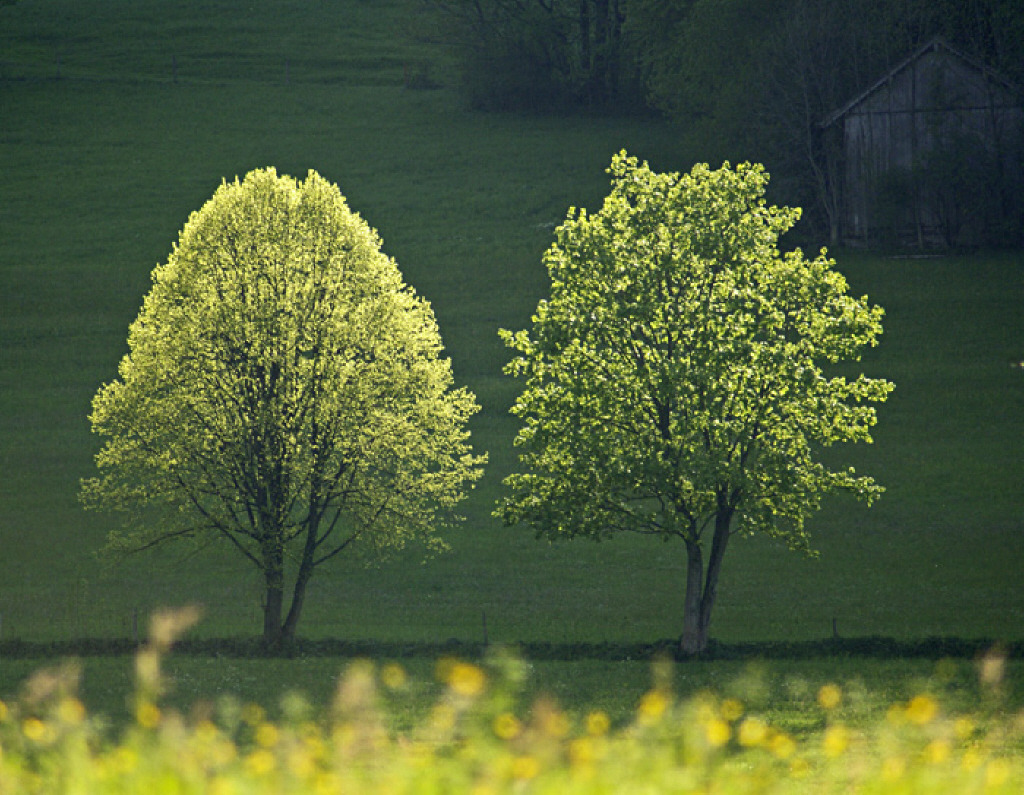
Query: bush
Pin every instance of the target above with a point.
(476, 739)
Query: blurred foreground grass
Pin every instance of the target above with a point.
(479, 736)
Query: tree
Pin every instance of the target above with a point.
(284, 393)
(675, 380)
(544, 54)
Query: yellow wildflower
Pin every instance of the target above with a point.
(753, 732)
(393, 676)
(964, 727)
(525, 768)
(836, 740)
(937, 751)
(598, 723)
(971, 759)
(507, 726)
(253, 714)
(582, 751)
(147, 714)
(71, 711)
(35, 730)
(267, 735)
(830, 696)
(260, 762)
(466, 679)
(782, 745)
(921, 710)
(997, 772)
(222, 786)
(652, 706)
(717, 732)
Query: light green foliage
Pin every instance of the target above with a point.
(676, 379)
(283, 388)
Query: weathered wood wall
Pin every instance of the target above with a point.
(915, 144)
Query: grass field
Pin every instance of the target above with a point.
(118, 119)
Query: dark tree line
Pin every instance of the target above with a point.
(743, 79)
(542, 55)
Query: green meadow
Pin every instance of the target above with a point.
(118, 119)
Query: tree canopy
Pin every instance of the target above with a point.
(284, 392)
(677, 381)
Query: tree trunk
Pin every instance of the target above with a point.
(302, 579)
(701, 588)
(694, 640)
(273, 605)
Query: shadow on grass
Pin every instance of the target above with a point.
(871, 647)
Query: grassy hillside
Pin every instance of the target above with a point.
(118, 119)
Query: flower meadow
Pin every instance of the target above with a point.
(476, 738)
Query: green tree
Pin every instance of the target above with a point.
(675, 381)
(283, 392)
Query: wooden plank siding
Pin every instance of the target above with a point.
(914, 144)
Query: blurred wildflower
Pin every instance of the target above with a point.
(147, 714)
(992, 667)
(921, 710)
(267, 735)
(652, 707)
(598, 723)
(71, 711)
(964, 727)
(253, 714)
(35, 730)
(937, 751)
(782, 745)
(836, 740)
(893, 768)
(997, 772)
(582, 751)
(972, 759)
(551, 720)
(260, 762)
(753, 732)
(393, 676)
(166, 626)
(829, 696)
(507, 726)
(466, 679)
(222, 786)
(731, 709)
(525, 768)
(717, 732)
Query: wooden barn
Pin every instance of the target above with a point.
(930, 155)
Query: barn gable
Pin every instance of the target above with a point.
(930, 154)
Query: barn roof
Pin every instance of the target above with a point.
(935, 45)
